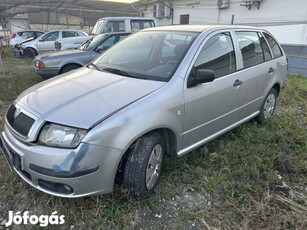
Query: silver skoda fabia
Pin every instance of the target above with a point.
(161, 91)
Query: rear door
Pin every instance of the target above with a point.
(211, 108)
(257, 71)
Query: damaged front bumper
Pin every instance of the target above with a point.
(86, 170)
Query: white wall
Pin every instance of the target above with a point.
(286, 19)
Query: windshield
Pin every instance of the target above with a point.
(152, 55)
(96, 29)
(92, 43)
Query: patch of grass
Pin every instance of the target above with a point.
(255, 175)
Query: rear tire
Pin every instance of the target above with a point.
(69, 68)
(143, 166)
(268, 107)
(30, 53)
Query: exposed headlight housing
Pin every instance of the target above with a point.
(61, 136)
(39, 64)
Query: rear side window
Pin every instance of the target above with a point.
(217, 55)
(274, 46)
(137, 25)
(27, 34)
(114, 26)
(68, 34)
(251, 48)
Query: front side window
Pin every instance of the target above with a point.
(152, 55)
(52, 36)
(97, 27)
(274, 45)
(217, 55)
(92, 43)
(106, 44)
(251, 49)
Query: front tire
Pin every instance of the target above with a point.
(143, 166)
(30, 53)
(268, 107)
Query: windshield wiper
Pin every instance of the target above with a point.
(121, 72)
(91, 65)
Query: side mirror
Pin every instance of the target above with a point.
(41, 40)
(200, 76)
(101, 49)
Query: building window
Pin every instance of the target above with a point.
(184, 19)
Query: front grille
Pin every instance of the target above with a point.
(22, 123)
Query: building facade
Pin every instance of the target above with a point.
(286, 20)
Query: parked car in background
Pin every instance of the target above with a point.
(51, 64)
(45, 43)
(23, 35)
(163, 90)
(70, 43)
(122, 24)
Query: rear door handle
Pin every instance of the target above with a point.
(271, 70)
(237, 82)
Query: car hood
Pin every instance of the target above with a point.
(59, 53)
(84, 97)
(30, 41)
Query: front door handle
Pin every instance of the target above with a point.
(271, 70)
(237, 82)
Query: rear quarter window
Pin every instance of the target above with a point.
(274, 45)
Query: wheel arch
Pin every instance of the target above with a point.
(277, 87)
(167, 133)
(31, 47)
(68, 64)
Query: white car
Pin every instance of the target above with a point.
(45, 43)
(23, 35)
(70, 43)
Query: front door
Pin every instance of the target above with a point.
(46, 44)
(212, 107)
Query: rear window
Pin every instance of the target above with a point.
(274, 45)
